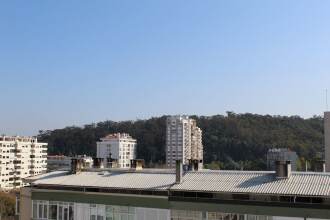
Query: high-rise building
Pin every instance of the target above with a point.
(327, 140)
(281, 154)
(20, 157)
(119, 146)
(183, 141)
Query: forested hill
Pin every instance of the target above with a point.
(229, 141)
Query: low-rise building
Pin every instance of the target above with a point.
(118, 146)
(20, 157)
(58, 162)
(61, 162)
(150, 194)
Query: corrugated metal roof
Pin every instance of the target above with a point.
(255, 182)
(116, 180)
(299, 183)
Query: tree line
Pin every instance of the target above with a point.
(230, 141)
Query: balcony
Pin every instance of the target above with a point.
(17, 161)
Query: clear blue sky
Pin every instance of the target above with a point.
(75, 62)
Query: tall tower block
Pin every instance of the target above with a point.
(327, 140)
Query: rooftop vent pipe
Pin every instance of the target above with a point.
(178, 171)
(283, 169)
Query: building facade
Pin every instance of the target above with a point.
(120, 146)
(183, 141)
(62, 210)
(20, 157)
(281, 154)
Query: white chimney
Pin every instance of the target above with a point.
(283, 169)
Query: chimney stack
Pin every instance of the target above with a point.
(98, 163)
(283, 169)
(76, 165)
(193, 165)
(319, 166)
(178, 171)
(137, 164)
(327, 140)
(110, 162)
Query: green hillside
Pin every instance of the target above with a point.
(230, 141)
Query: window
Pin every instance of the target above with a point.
(65, 212)
(53, 210)
(35, 209)
(60, 211)
(71, 212)
(40, 209)
(45, 211)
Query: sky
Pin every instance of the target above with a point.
(76, 62)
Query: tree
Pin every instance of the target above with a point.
(7, 204)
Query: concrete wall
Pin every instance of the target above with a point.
(25, 204)
(327, 140)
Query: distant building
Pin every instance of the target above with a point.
(327, 140)
(61, 162)
(20, 157)
(281, 154)
(119, 146)
(58, 162)
(183, 141)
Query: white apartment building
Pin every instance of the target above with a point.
(20, 157)
(183, 141)
(121, 146)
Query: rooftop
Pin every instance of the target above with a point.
(18, 138)
(249, 182)
(117, 136)
(280, 150)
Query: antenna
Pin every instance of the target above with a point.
(326, 100)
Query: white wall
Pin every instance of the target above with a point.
(122, 149)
